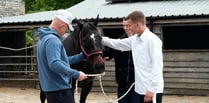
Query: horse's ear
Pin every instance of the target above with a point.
(97, 20)
(80, 25)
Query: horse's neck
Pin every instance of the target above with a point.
(71, 45)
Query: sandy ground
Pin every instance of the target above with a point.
(26, 95)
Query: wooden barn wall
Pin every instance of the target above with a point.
(108, 80)
(186, 72)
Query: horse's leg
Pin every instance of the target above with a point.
(85, 91)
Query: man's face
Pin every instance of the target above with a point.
(64, 28)
(131, 26)
(126, 28)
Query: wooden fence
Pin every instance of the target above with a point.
(18, 67)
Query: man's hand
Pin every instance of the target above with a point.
(105, 58)
(82, 76)
(148, 97)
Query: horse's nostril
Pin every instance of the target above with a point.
(100, 67)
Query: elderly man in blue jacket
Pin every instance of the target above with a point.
(53, 63)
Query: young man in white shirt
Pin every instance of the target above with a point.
(146, 50)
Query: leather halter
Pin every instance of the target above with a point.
(88, 54)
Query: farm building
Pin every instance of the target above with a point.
(182, 25)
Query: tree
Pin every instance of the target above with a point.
(47, 5)
(32, 6)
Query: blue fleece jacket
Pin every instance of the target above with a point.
(53, 64)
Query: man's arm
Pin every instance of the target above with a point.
(155, 50)
(118, 44)
(53, 54)
(75, 58)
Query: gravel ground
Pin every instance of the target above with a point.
(27, 95)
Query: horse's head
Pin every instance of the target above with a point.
(90, 44)
(89, 39)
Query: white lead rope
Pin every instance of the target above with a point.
(126, 92)
(116, 100)
(76, 84)
(95, 75)
(109, 100)
(12, 49)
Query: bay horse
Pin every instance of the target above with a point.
(86, 38)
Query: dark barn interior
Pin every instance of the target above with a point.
(113, 32)
(16, 62)
(185, 37)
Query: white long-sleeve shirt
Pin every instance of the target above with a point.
(147, 57)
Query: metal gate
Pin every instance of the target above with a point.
(18, 67)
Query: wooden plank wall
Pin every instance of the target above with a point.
(185, 73)
(108, 80)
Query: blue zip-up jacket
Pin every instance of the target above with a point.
(53, 64)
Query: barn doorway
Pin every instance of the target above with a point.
(113, 32)
(185, 37)
(12, 39)
(17, 62)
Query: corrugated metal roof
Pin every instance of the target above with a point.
(27, 18)
(88, 9)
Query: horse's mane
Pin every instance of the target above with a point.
(72, 47)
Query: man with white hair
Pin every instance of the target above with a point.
(53, 64)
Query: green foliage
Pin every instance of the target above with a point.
(46, 5)
(29, 37)
(32, 6)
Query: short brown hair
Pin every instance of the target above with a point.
(137, 16)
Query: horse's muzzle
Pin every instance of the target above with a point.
(100, 67)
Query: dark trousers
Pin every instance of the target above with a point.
(62, 96)
(131, 97)
(158, 98)
(42, 96)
